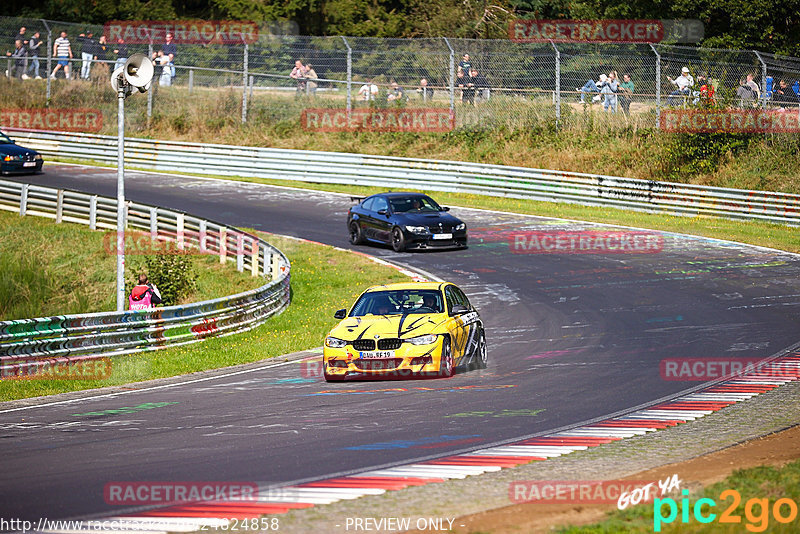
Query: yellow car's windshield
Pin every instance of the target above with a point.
(398, 302)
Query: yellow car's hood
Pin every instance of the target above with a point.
(401, 326)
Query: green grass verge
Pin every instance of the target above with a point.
(61, 269)
(302, 326)
(752, 232)
(755, 483)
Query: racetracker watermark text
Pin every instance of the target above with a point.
(378, 120)
(56, 369)
(605, 31)
(585, 242)
(66, 119)
(729, 120)
(183, 31)
(703, 369)
(186, 242)
(127, 493)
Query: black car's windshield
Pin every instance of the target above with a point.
(4, 139)
(414, 204)
(398, 302)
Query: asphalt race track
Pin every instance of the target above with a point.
(572, 337)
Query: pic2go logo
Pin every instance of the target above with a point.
(756, 511)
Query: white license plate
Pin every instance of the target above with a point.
(29, 164)
(376, 354)
(443, 236)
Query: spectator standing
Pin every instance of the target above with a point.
(19, 54)
(170, 51)
(425, 91)
(22, 36)
(626, 90)
(121, 50)
(144, 295)
(102, 48)
(87, 47)
(311, 77)
(745, 94)
(480, 83)
(396, 93)
(299, 74)
(368, 91)
(461, 77)
(753, 86)
(62, 49)
(33, 53)
(609, 92)
(683, 83)
(783, 95)
(465, 65)
(468, 92)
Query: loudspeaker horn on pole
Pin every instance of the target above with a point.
(138, 71)
(115, 79)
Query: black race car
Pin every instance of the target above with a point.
(404, 220)
(16, 159)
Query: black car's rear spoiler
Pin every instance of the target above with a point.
(357, 199)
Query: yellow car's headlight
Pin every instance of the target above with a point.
(422, 340)
(335, 342)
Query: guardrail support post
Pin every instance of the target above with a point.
(223, 245)
(93, 212)
(153, 223)
(203, 231)
(349, 76)
(179, 225)
(239, 252)
(276, 266)
(452, 76)
(254, 250)
(59, 206)
(23, 201)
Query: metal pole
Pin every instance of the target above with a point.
(558, 83)
(150, 93)
(191, 79)
(49, 59)
(120, 198)
(658, 86)
(452, 76)
(349, 76)
(244, 85)
(763, 79)
(252, 82)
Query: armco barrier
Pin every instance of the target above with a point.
(385, 171)
(30, 342)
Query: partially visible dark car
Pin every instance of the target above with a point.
(404, 220)
(15, 159)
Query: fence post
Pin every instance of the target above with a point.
(239, 252)
(223, 244)
(658, 85)
(49, 60)
(179, 231)
(244, 84)
(252, 82)
(203, 232)
(452, 76)
(153, 223)
(150, 92)
(191, 79)
(558, 83)
(349, 76)
(763, 79)
(254, 258)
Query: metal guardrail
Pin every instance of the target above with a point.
(27, 343)
(452, 176)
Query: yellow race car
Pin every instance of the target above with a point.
(406, 329)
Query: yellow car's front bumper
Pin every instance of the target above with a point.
(407, 360)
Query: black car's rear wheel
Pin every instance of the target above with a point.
(446, 365)
(356, 234)
(398, 239)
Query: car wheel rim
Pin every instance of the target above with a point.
(396, 238)
(482, 350)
